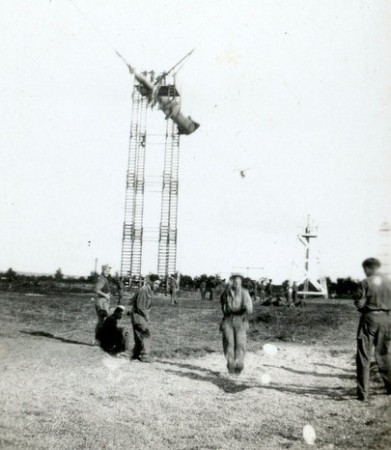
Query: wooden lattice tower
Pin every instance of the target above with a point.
(133, 230)
(309, 279)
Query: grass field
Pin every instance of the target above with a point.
(58, 391)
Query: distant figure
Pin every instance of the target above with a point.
(289, 293)
(210, 287)
(172, 286)
(102, 304)
(278, 300)
(121, 288)
(373, 301)
(113, 339)
(269, 291)
(251, 287)
(141, 305)
(236, 304)
(261, 290)
(203, 289)
(294, 293)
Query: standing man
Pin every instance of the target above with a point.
(373, 301)
(210, 287)
(294, 292)
(289, 293)
(261, 290)
(141, 305)
(251, 287)
(236, 305)
(114, 339)
(203, 289)
(269, 293)
(102, 304)
(173, 289)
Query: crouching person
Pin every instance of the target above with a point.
(236, 305)
(113, 339)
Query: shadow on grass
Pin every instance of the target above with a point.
(210, 376)
(315, 374)
(335, 367)
(231, 386)
(57, 338)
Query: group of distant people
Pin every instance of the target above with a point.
(264, 290)
(372, 299)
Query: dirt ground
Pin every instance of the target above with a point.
(58, 391)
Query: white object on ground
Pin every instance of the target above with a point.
(270, 349)
(309, 434)
(265, 378)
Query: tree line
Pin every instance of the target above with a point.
(10, 279)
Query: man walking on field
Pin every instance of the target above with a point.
(373, 301)
(236, 305)
(141, 305)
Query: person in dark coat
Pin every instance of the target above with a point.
(373, 301)
(141, 306)
(113, 339)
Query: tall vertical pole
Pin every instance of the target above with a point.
(174, 191)
(169, 209)
(165, 206)
(138, 211)
(307, 258)
(128, 227)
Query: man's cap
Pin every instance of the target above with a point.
(372, 263)
(106, 266)
(119, 308)
(147, 279)
(236, 275)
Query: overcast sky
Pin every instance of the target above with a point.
(296, 91)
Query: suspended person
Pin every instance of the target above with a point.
(114, 339)
(102, 303)
(373, 301)
(141, 305)
(236, 305)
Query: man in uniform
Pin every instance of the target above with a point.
(210, 287)
(113, 339)
(269, 293)
(102, 304)
(373, 301)
(295, 289)
(236, 305)
(251, 287)
(289, 293)
(261, 290)
(141, 305)
(172, 289)
(203, 289)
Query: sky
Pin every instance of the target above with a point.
(298, 92)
